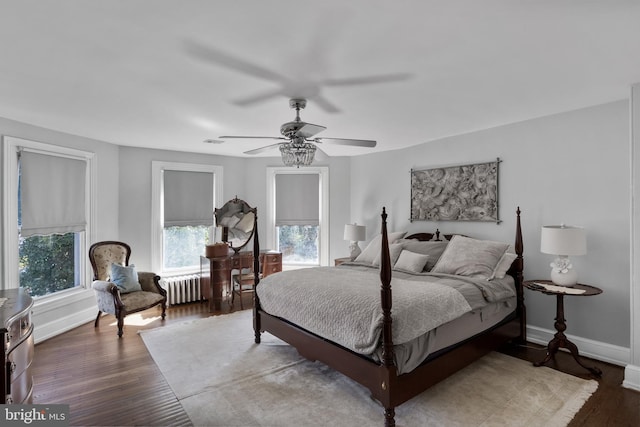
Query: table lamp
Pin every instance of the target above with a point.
(354, 233)
(563, 240)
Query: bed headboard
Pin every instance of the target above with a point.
(436, 237)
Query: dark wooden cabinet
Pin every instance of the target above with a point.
(270, 262)
(16, 329)
(215, 273)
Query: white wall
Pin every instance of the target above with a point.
(632, 371)
(570, 168)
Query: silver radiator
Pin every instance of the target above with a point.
(182, 289)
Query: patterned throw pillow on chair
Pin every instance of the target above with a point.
(125, 278)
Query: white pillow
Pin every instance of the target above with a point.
(503, 266)
(411, 261)
(469, 257)
(372, 250)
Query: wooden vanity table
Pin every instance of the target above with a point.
(215, 273)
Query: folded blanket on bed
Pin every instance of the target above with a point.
(343, 304)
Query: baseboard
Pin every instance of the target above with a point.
(631, 377)
(594, 349)
(50, 329)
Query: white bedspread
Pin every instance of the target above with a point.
(343, 305)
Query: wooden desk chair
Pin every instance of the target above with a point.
(241, 283)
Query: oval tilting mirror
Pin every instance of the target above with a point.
(238, 220)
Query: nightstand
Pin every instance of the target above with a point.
(339, 261)
(559, 339)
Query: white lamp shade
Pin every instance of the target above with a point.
(354, 232)
(563, 240)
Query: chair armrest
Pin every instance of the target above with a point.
(104, 286)
(150, 282)
(107, 296)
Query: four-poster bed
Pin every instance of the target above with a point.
(390, 380)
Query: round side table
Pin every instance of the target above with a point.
(559, 339)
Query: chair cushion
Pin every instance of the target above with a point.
(136, 300)
(125, 278)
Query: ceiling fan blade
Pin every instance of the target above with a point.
(385, 78)
(224, 59)
(308, 130)
(262, 149)
(346, 141)
(325, 104)
(243, 102)
(252, 137)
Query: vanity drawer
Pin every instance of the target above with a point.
(22, 387)
(272, 263)
(21, 357)
(19, 328)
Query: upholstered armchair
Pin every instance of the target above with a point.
(119, 289)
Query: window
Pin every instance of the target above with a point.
(184, 196)
(48, 215)
(297, 209)
(297, 218)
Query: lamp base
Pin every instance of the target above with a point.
(355, 250)
(567, 279)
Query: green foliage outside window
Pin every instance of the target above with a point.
(183, 245)
(299, 244)
(47, 263)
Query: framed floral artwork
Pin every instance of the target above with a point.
(456, 193)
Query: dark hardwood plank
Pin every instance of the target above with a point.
(114, 382)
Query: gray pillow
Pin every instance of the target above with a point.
(411, 261)
(431, 248)
(394, 253)
(372, 251)
(125, 278)
(465, 256)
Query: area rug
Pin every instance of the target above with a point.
(222, 378)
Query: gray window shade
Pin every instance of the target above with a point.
(297, 199)
(188, 198)
(52, 194)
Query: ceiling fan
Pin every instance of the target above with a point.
(288, 86)
(298, 145)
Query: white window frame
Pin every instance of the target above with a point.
(10, 207)
(157, 207)
(323, 173)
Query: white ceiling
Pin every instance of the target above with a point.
(129, 72)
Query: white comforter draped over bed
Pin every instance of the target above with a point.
(343, 304)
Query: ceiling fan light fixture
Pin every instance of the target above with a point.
(297, 154)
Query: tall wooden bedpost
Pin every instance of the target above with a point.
(387, 340)
(519, 268)
(256, 278)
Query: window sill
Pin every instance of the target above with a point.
(61, 299)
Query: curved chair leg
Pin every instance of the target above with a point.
(95, 324)
(120, 324)
(164, 310)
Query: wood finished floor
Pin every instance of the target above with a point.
(114, 382)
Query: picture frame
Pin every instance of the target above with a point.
(456, 193)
